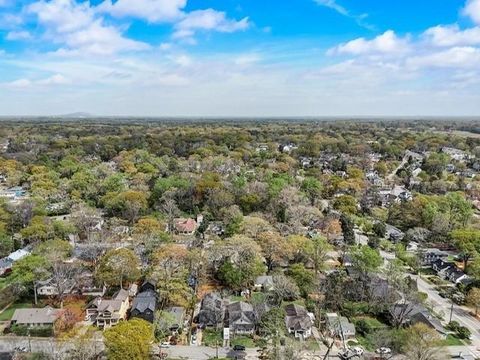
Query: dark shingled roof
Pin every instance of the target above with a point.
(145, 300)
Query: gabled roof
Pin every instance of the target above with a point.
(17, 255)
(146, 300)
(241, 313)
(297, 317)
(121, 295)
(185, 225)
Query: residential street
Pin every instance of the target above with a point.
(460, 314)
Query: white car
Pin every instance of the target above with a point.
(383, 350)
(165, 345)
(357, 350)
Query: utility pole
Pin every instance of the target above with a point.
(451, 312)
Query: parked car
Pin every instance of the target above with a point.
(165, 344)
(357, 350)
(239, 348)
(383, 350)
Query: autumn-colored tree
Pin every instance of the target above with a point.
(473, 299)
(423, 343)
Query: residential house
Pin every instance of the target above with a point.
(457, 276)
(178, 314)
(19, 254)
(298, 321)
(393, 234)
(107, 313)
(264, 283)
(36, 317)
(415, 314)
(287, 148)
(50, 287)
(87, 286)
(339, 326)
(432, 255)
(455, 154)
(185, 226)
(212, 310)
(144, 305)
(240, 318)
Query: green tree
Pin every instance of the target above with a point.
(129, 340)
(312, 187)
(28, 270)
(6, 244)
(117, 266)
(347, 229)
(366, 259)
(467, 242)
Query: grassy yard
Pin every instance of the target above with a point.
(243, 340)
(452, 340)
(211, 336)
(8, 313)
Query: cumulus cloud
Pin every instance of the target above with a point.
(151, 10)
(386, 43)
(452, 35)
(79, 30)
(208, 19)
(456, 57)
(472, 10)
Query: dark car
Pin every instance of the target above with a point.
(239, 348)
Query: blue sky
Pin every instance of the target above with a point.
(240, 57)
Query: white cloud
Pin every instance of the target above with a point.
(208, 19)
(472, 10)
(334, 5)
(151, 10)
(20, 83)
(452, 35)
(56, 79)
(456, 57)
(53, 80)
(18, 35)
(387, 43)
(79, 30)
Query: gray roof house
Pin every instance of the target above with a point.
(339, 326)
(241, 318)
(36, 317)
(298, 321)
(212, 310)
(264, 282)
(144, 305)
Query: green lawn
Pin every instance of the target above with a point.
(211, 336)
(243, 340)
(452, 340)
(8, 313)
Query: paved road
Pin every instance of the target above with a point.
(205, 353)
(460, 314)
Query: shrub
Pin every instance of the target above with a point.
(463, 332)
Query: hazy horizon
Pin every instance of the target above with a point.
(183, 58)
